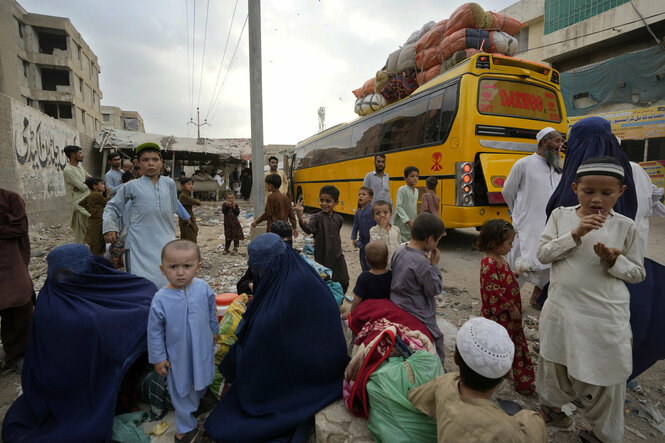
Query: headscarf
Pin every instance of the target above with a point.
(89, 326)
(289, 360)
(592, 137)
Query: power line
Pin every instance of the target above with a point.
(229, 67)
(193, 54)
(189, 72)
(205, 36)
(221, 63)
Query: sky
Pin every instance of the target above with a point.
(314, 53)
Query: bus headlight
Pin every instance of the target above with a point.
(464, 183)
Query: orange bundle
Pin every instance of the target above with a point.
(365, 89)
(428, 58)
(424, 77)
(505, 23)
(432, 37)
(469, 15)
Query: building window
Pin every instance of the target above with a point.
(26, 67)
(56, 110)
(81, 84)
(19, 25)
(78, 51)
(83, 117)
(522, 39)
(106, 117)
(52, 78)
(48, 42)
(560, 14)
(130, 124)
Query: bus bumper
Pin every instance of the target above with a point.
(472, 216)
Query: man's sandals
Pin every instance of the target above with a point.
(555, 419)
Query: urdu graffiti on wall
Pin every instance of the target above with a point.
(38, 142)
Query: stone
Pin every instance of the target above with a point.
(336, 424)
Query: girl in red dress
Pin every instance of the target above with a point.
(232, 228)
(501, 297)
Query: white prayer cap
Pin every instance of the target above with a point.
(543, 133)
(486, 347)
(219, 171)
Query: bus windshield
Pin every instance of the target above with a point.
(514, 98)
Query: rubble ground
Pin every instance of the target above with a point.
(460, 300)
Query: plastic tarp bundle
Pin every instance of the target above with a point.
(407, 58)
(369, 104)
(392, 418)
(637, 72)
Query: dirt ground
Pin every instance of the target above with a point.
(460, 268)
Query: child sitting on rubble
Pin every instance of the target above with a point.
(187, 304)
(383, 230)
(375, 283)
(416, 276)
(462, 403)
(326, 226)
(188, 229)
(94, 203)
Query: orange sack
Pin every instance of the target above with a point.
(505, 23)
(424, 77)
(428, 58)
(367, 88)
(469, 15)
(432, 37)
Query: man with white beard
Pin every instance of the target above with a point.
(531, 182)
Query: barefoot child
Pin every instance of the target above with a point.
(416, 276)
(585, 333)
(186, 304)
(462, 402)
(232, 228)
(406, 203)
(362, 222)
(501, 300)
(375, 283)
(384, 231)
(188, 229)
(325, 226)
(94, 203)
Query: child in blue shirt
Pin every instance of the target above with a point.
(363, 220)
(182, 332)
(375, 283)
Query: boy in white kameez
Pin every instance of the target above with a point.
(585, 347)
(182, 332)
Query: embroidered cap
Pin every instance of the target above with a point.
(543, 132)
(601, 166)
(486, 347)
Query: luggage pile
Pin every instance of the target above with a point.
(435, 48)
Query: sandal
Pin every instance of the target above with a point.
(588, 437)
(555, 419)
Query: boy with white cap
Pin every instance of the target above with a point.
(528, 188)
(461, 403)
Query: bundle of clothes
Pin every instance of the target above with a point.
(435, 48)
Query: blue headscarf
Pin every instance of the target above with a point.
(88, 327)
(592, 137)
(289, 360)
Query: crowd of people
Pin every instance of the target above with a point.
(574, 235)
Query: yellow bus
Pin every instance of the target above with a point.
(466, 127)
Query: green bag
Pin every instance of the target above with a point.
(392, 417)
(127, 428)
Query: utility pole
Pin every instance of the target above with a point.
(256, 105)
(198, 124)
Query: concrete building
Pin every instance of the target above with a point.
(115, 118)
(600, 38)
(46, 64)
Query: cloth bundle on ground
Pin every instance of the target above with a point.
(89, 325)
(289, 360)
(377, 325)
(592, 137)
(392, 417)
(472, 15)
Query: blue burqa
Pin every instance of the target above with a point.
(592, 137)
(289, 360)
(88, 327)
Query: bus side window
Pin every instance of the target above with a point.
(340, 143)
(322, 151)
(365, 137)
(449, 109)
(305, 156)
(433, 121)
(402, 127)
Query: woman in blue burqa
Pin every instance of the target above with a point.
(592, 137)
(289, 360)
(88, 327)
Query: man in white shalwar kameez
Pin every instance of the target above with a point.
(648, 201)
(531, 182)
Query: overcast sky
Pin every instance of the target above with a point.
(314, 54)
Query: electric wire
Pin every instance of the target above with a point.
(221, 63)
(193, 55)
(189, 72)
(221, 88)
(203, 56)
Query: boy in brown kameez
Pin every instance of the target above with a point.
(278, 205)
(325, 227)
(94, 203)
(188, 228)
